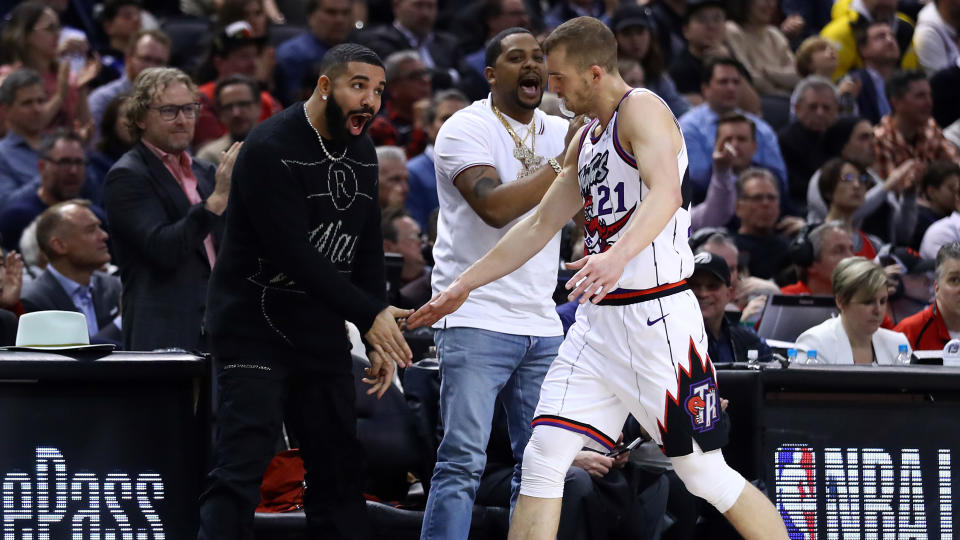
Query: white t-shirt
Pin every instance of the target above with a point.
(520, 303)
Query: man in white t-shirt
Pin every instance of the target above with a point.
(495, 160)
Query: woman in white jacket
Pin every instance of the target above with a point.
(855, 337)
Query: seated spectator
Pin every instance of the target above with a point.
(935, 37)
(933, 327)
(801, 141)
(941, 232)
(397, 124)
(726, 342)
(909, 131)
(880, 53)
(11, 282)
(816, 56)
(855, 337)
(76, 247)
(120, 20)
(62, 174)
(423, 197)
(564, 10)
(943, 88)
(888, 211)
(722, 77)
(749, 293)
(636, 33)
(763, 234)
(817, 256)
(842, 186)
(252, 12)
(148, 48)
(912, 282)
(393, 183)
(21, 98)
(115, 140)
(939, 190)
(841, 32)
(237, 102)
(30, 40)
(762, 48)
(495, 17)
(402, 235)
(413, 28)
(668, 16)
(235, 52)
(704, 31)
(735, 147)
(329, 22)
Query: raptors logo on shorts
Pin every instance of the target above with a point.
(702, 405)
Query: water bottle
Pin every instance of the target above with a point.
(903, 356)
(792, 356)
(753, 359)
(812, 357)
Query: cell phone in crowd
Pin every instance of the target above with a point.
(617, 450)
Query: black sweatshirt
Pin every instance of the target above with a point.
(302, 250)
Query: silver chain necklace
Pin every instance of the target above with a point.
(319, 138)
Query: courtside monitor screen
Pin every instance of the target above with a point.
(865, 466)
(117, 458)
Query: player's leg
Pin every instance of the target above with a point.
(546, 460)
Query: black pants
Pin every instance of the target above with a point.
(252, 396)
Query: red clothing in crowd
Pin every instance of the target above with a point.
(209, 126)
(926, 331)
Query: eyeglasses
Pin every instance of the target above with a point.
(237, 104)
(762, 197)
(170, 112)
(67, 162)
(863, 178)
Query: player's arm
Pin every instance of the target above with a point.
(654, 140)
(521, 242)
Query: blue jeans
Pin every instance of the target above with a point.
(477, 367)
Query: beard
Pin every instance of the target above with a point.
(337, 121)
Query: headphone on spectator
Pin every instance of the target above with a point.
(800, 249)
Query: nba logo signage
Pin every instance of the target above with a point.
(702, 405)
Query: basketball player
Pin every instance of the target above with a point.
(638, 345)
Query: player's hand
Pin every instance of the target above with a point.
(598, 274)
(387, 340)
(379, 374)
(439, 306)
(595, 463)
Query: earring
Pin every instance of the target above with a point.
(323, 98)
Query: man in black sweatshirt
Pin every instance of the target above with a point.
(302, 253)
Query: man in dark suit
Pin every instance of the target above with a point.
(167, 208)
(70, 235)
(878, 47)
(412, 28)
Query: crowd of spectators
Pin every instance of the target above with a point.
(822, 141)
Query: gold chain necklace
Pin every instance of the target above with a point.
(525, 155)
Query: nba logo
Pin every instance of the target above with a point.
(701, 406)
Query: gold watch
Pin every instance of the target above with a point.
(556, 166)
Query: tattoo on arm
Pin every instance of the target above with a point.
(483, 186)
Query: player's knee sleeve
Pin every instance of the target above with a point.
(707, 475)
(546, 459)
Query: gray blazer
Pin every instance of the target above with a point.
(46, 293)
(158, 243)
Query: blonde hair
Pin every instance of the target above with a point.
(857, 277)
(146, 86)
(586, 42)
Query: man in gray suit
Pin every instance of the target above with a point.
(69, 234)
(167, 209)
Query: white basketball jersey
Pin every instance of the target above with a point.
(613, 194)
